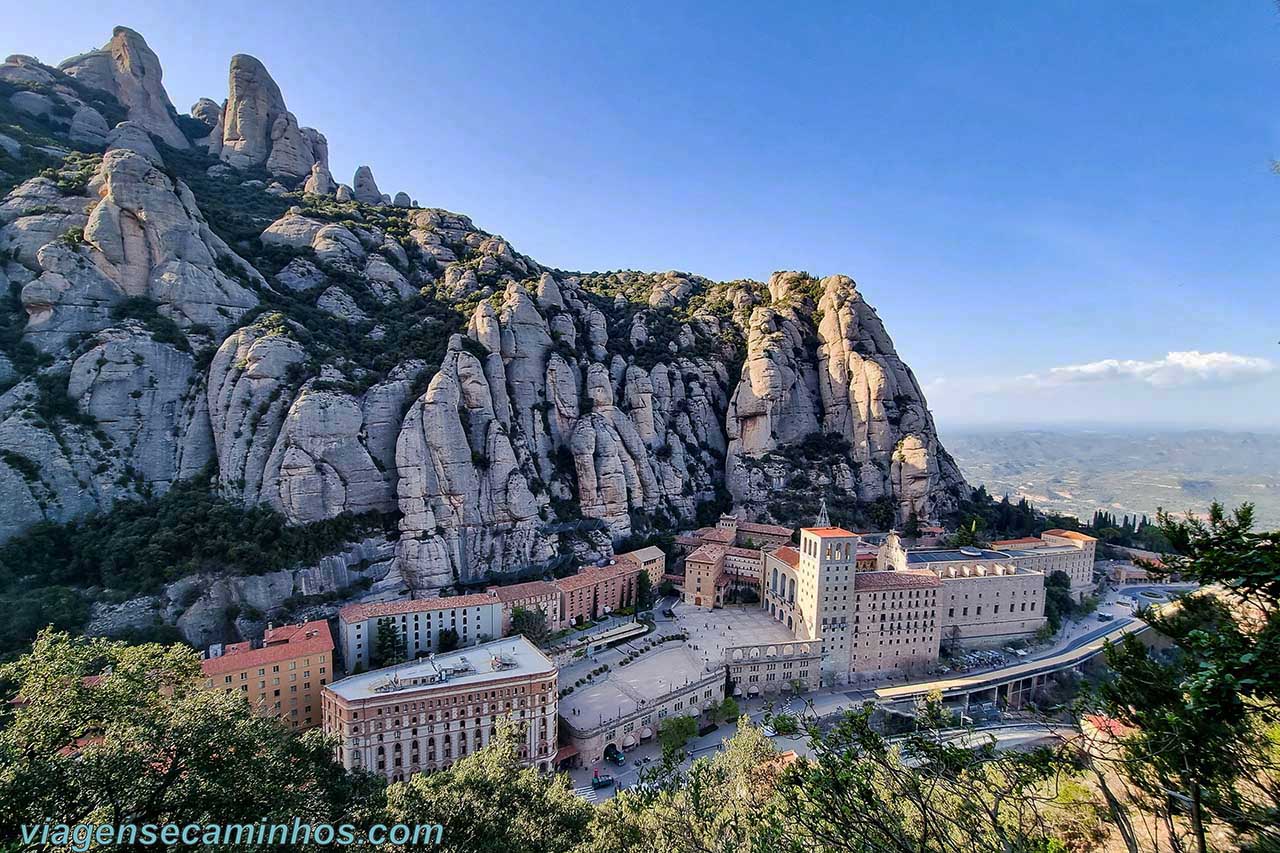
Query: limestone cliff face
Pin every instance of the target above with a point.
(831, 368)
(330, 352)
(128, 69)
(467, 500)
(257, 129)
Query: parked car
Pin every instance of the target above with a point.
(602, 782)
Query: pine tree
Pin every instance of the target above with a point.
(389, 646)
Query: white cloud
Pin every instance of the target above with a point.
(1177, 368)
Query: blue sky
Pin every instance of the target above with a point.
(1064, 212)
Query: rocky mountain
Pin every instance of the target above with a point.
(196, 291)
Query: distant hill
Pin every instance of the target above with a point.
(1125, 471)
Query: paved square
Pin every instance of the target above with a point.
(624, 689)
(710, 632)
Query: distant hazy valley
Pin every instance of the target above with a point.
(1078, 471)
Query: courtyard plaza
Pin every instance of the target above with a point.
(710, 632)
(625, 689)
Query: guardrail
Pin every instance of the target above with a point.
(1017, 672)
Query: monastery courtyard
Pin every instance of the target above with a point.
(667, 666)
(710, 632)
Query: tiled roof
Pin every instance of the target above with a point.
(877, 581)
(772, 529)
(825, 532)
(289, 633)
(1070, 534)
(594, 575)
(651, 552)
(1014, 543)
(718, 536)
(706, 554)
(1109, 725)
(788, 555)
(520, 591)
(748, 553)
(313, 638)
(360, 612)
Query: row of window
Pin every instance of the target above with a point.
(460, 699)
(951, 611)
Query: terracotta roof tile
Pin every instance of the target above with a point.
(825, 532)
(313, 638)
(1013, 543)
(707, 554)
(597, 574)
(649, 552)
(788, 555)
(771, 529)
(877, 581)
(521, 591)
(360, 612)
(1070, 534)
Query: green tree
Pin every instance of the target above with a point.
(449, 640)
(785, 724)
(488, 801)
(389, 644)
(968, 534)
(717, 806)
(675, 732)
(105, 732)
(911, 528)
(861, 792)
(644, 591)
(728, 710)
(1202, 713)
(532, 624)
(1058, 602)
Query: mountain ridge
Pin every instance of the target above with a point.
(199, 290)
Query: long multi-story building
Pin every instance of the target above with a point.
(725, 558)
(282, 677)
(532, 595)
(865, 621)
(810, 589)
(650, 558)
(597, 591)
(1068, 551)
(419, 622)
(986, 597)
(896, 624)
(593, 592)
(423, 716)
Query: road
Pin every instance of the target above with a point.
(1119, 603)
(833, 700)
(1007, 736)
